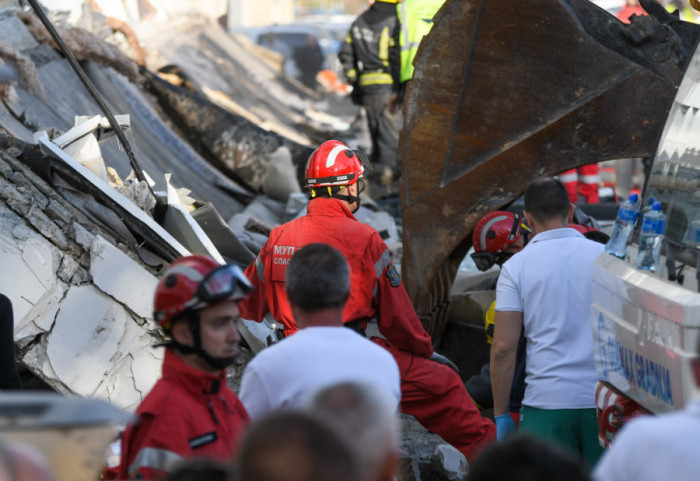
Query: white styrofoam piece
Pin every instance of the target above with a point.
(180, 223)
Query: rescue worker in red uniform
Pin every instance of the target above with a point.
(583, 180)
(431, 391)
(190, 412)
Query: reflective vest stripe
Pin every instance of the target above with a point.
(154, 458)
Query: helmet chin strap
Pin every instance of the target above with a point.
(193, 324)
(350, 199)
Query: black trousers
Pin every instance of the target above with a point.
(9, 377)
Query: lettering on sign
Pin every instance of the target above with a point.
(645, 374)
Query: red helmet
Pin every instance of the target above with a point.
(333, 163)
(195, 282)
(496, 232)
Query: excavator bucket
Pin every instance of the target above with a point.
(507, 91)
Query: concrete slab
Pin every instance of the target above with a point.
(15, 33)
(118, 275)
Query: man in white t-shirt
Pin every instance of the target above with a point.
(656, 447)
(547, 290)
(323, 352)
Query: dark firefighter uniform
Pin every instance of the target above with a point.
(370, 59)
(433, 393)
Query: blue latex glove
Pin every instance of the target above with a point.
(505, 426)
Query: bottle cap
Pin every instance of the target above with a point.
(656, 206)
(634, 197)
(651, 200)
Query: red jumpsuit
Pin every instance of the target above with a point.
(188, 413)
(433, 393)
(584, 179)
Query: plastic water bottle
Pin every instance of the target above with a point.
(624, 223)
(651, 238)
(649, 205)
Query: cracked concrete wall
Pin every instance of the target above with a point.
(82, 305)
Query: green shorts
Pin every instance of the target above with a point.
(574, 429)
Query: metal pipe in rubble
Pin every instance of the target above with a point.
(90, 88)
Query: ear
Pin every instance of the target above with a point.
(530, 221)
(695, 363)
(181, 333)
(571, 213)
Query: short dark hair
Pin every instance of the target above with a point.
(193, 469)
(546, 199)
(293, 440)
(527, 458)
(318, 278)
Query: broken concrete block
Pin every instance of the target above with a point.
(121, 277)
(103, 354)
(31, 191)
(59, 214)
(454, 463)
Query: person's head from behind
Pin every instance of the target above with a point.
(196, 305)
(317, 280)
(497, 236)
(547, 205)
(525, 458)
(335, 170)
(196, 469)
(294, 446)
(366, 418)
(21, 462)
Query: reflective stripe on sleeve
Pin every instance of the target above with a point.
(260, 269)
(154, 458)
(381, 264)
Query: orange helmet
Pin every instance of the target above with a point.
(334, 164)
(195, 282)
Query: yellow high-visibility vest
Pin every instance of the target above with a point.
(416, 18)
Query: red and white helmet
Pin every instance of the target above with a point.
(333, 163)
(496, 232)
(195, 282)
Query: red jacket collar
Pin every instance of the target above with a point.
(328, 206)
(191, 379)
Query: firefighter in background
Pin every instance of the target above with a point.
(583, 180)
(497, 236)
(191, 411)
(370, 60)
(431, 390)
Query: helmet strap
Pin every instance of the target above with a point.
(194, 326)
(332, 192)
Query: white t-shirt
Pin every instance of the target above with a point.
(653, 448)
(286, 374)
(550, 281)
